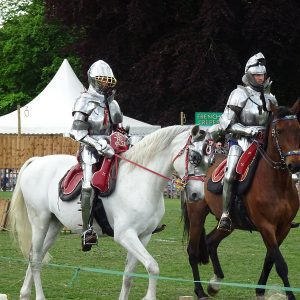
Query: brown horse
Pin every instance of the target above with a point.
(270, 204)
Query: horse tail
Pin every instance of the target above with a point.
(20, 227)
(185, 219)
(295, 225)
(203, 255)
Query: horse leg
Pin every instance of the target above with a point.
(197, 249)
(274, 256)
(25, 292)
(213, 240)
(130, 241)
(52, 233)
(131, 263)
(267, 267)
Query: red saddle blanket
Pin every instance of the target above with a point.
(71, 180)
(242, 166)
(103, 176)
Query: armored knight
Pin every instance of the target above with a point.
(246, 113)
(95, 114)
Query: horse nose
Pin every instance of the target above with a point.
(195, 158)
(194, 196)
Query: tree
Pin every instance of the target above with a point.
(31, 52)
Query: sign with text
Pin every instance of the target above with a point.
(207, 118)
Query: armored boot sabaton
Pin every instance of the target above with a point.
(89, 236)
(234, 154)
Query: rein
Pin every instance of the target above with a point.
(278, 165)
(180, 183)
(142, 167)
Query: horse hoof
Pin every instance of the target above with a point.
(212, 291)
(213, 287)
(204, 298)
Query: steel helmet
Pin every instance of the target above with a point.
(255, 65)
(101, 77)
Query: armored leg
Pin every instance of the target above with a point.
(89, 236)
(234, 154)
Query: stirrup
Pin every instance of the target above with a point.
(225, 224)
(89, 237)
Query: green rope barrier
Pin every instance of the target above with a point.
(74, 277)
(119, 273)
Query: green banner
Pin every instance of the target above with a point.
(207, 118)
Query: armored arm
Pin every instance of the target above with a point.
(247, 131)
(233, 126)
(79, 132)
(229, 120)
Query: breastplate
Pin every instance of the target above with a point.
(253, 114)
(99, 121)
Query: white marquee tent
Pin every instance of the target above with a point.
(51, 111)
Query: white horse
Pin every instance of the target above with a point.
(133, 210)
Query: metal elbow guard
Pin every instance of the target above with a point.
(215, 132)
(79, 130)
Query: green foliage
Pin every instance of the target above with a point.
(31, 50)
(9, 101)
(175, 56)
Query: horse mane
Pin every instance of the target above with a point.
(143, 151)
(283, 111)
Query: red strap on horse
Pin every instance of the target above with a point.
(179, 183)
(140, 166)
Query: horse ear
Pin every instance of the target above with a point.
(296, 108)
(198, 134)
(273, 107)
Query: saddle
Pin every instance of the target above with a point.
(245, 169)
(105, 172)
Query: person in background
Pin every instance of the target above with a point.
(218, 147)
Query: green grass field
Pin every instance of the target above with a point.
(241, 256)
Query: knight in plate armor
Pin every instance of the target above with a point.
(95, 115)
(245, 115)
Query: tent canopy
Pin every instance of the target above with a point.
(51, 111)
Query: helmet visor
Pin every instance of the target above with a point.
(105, 82)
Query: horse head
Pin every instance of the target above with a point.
(285, 135)
(197, 161)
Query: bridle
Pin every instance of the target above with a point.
(188, 160)
(278, 165)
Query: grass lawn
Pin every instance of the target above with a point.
(5, 195)
(241, 256)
